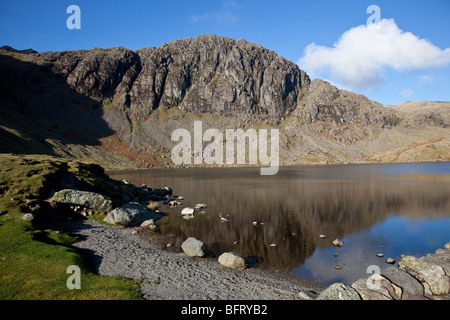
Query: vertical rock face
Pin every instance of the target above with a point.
(204, 74)
(215, 75)
(209, 74)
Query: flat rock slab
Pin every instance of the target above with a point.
(368, 294)
(339, 291)
(87, 199)
(404, 280)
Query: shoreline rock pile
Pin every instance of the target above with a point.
(421, 278)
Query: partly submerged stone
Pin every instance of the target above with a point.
(187, 211)
(338, 243)
(232, 260)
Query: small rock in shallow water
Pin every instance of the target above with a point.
(187, 210)
(380, 255)
(322, 236)
(337, 243)
(390, 260)
(200, 206)
(338, 267)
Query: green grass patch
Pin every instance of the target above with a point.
(34, 262)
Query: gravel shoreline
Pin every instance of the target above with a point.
(136, 253)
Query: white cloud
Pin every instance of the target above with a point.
(362, 54)
(223, 15)
(407, 93)
(425, 79)
(198, 18)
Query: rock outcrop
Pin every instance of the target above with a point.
(87, 199)
(204, 74)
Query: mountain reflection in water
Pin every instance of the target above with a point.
(276, 220)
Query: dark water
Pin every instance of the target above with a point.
(373, 208)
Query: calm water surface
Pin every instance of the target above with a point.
(392, 209)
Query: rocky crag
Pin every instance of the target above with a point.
(118, 107)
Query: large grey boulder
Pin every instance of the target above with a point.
(404, 280)
(232, 260)
(428, 273)
(194, 247)
(339, 291)
(377, 287)
(131, 214)
(368, 294)
(440, 259)
(87, 199)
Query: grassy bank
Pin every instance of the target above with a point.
(34, 260)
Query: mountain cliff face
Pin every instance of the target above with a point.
(120, 106)
(207, 74)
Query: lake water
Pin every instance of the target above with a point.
(276, 220)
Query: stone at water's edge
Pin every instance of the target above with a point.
(404, 280)
(87, 199)
(131, 214)
(194, 247)
(232, 260)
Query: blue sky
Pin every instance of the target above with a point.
(420, 72)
